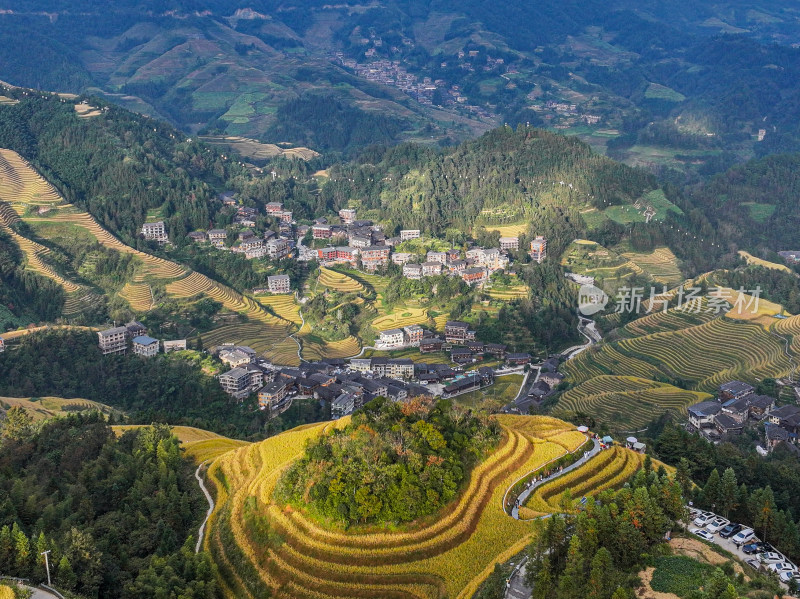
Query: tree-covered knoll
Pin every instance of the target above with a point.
(504, 176)
(118, 514)
(392, 463)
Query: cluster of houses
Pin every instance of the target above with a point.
(736, 407)
(345, 384)
(118, 340)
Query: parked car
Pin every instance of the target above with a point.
(782, 567)
(730, 530)
(756, 546)
(770, 557)
(717, 524)
(787, 576)
(743, 536)
(704, 518)
(753, 563)
(703, 534)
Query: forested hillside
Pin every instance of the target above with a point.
(118, 515)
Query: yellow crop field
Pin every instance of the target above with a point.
(661, 264)
(789, 328)
(199, 444)
(750, 259)
(509, 230)
(87, 111)
(48, 407)
(447, 556)
(508, 293)
(339, 282)
(284, 306)
(314, 350)
(607, 470)
(261, 336)
(6, 592)
(403, 317)
(33, 259)
(138, 295)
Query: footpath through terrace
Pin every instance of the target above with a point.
(537, 483)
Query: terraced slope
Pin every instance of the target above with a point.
(446, 557)
(628, 403)
(703, 355)
(22, 190)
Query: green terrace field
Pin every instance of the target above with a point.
(627, 403)
(494, 397)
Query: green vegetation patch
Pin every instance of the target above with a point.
(759, 212)
(655, 91)
(679, 574)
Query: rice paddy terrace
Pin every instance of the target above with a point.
(447, 556)
(620, 382)
(26, 195)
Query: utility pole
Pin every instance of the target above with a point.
(47, 565)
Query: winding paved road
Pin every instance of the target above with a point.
(210, 500)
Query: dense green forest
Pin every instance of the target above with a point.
(24, 295)
(117, 514)
(161, 389)
(393, 463)
(599, 552)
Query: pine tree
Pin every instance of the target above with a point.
(65, 576)
(683, 476)
(762, 506)
(570, 585)
(729, 492)
(600, 580)
(711, 492)
(543, 581)
(22, 552)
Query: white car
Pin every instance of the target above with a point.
(717, 524)
(743, 536)
(704, 518)
(782, 567)
(703, 534)
(787, 576)
(770, 557)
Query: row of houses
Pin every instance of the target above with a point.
(736, 406)
(117, 340)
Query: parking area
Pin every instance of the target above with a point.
(710, 529)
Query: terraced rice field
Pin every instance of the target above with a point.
(661, 264)
(262, 337)
(77, 301)
(317, 350)
(339, 282)
(33, 255)
(448, 556)
(284, 306)
(49, 407)
(284, 353)
(87, 111)
(138, 295)
(627, 403)
(765, 263)
(403, 317)
(704, 355)
(790, 329)
(509, 230)
(508, 293)
(659, 321)
(609, 469)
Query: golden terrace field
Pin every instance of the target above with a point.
(447, 556)
(607, 470)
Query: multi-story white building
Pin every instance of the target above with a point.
(113, 341)
(539, 249)
(407, 234)
(155, 231)
(279, 284)
(237, 355)
(277, 249)
(347, 215)
(174, 345)
(509, 243)
(413, 271)
(402, 257)
(217, 236)
(440, 257)
(491, 259)
(274, 207)
(392, 338)
(145, 346)
(431, 269)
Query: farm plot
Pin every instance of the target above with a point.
(262, 337)
(661, 264)
(138, 295)
(339, 282)
(284, 307)
(447, 556)
(607, 470)
(315, 348)
(627, 403)
(403, 317)
(33, 256)
(789, 328)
